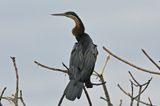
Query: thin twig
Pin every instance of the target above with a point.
(128, 94)
(98, 84)
(120, 103)
(147, 84)
(139, 93)
(150, 101)
(2, 95)
(150, 59)
(21, 98)
(50, 68)
(140, 85)
(105, 63)
(17, 81)
(60, 102)
(68, 71)
(130, 64)
(132, 93)
(102, 80)
(106, 91)
(104, 99)
(133, 78)
(87, 95)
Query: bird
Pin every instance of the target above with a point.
(82, 59)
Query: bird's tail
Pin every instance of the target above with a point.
(73, 90)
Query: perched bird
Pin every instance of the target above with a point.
(82, 59)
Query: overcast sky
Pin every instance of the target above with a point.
(29, 32)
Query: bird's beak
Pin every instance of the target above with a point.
(59, 14)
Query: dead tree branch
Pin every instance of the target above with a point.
(50, 68)
(150, 101)
(21, 98)
(17, 81)
(130, 64)
(2, 95)
(142, 88)
(60, 101)
(103, 81)
(150, 59)
(120, 103)
(87, 95)
(14, 98)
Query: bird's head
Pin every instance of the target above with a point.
(69, 14)
(79, 27)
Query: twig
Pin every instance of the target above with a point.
(97, 84)
(60, 102)
(21, 98)
(147, 84)
(150, 59)
(128, 94)
(106, 91)
(17, 81)
(102, 80)
(150, 101)
(105, 63)
(133, 78)
(9, 99)
(141, 90)
(2, 95)
(87, 95)
(104, 99)
(50, 68)
(130, 64)
(140, 85)
(120, 103)
(132, 92)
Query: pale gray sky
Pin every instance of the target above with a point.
(29, 33)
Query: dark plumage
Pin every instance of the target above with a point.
(82, 59)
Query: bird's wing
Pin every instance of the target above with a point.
(76, 60)
(90, 57)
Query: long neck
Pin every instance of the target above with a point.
(78, 30)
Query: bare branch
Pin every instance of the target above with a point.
(21, 98)
(103, 82)
(120, 103)
(104, 99)
(132, 93)
(130, 64)
(106, 91)
(128, 94)
(66, 68)
(141, 90)
(60, 102)
(147, 84)
(106, 61)
(9, 99)
(17, 81)
(87, 95)
(150, 59)
(50, 68)
(97, 84)
(2, 95)
(150, 101)
(133, 78)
